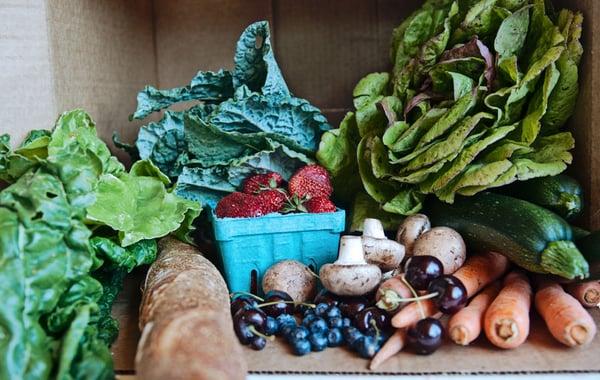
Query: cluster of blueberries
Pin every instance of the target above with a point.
(332, 322)
(324, 326)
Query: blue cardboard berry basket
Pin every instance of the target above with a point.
(249, 246)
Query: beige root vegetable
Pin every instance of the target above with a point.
(379, 250)
(409, 231)
(292, 277)
(445, 244)
(185, 320)
(350, 274)
(587, 293)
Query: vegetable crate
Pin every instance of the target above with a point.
(249, 246)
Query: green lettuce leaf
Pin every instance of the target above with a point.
(138, 207)
(337, 154)
(512, 33)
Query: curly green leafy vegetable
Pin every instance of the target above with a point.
(63, 255)
(248, 121)
(476, 99)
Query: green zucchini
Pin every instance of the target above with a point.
(530, 236)
(590, 248)
(579, 233)
(561, 194)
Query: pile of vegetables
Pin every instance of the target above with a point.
(247, 122)
(476, 99)
(73, 223)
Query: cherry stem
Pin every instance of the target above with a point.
(313, 273)
(254, 331)
(377, 331)
(246, 294)
(278, 302)
(414, 293)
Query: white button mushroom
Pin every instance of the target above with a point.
(350, 274)
(445, 244)
(409, 231)
(379, 250)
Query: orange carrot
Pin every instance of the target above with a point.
(566, 319)
(390, 293)
(393, 345)
(481, 270)
(506, 321)
(465, 326)
(588, 293)
(411, 313)
(477, 272)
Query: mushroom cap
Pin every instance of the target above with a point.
(410, 230)
(292, 277)
(350, 280)
(386, 254)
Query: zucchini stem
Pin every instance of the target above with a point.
(562, 258)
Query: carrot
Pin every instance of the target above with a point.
(506, 321)
(465, 326)
(411, 313)
(393, 345)
(566, 319)
(390, 293)
(588, 293)
(481, 270)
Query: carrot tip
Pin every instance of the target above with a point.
(507, 330)
(459, 334)
(592, 297)
(579, 334)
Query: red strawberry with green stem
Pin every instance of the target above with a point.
(311, 181)
(239, 205)
(318, 205)
(272, 200)
(260, 182)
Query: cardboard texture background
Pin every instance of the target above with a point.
(60, 54)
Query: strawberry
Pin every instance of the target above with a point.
(239, 205)
(272, 200)
(259, 182)
(319, 204)
(310, 181)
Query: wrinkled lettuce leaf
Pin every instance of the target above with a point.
(513, 61)
(138, 207)
(206, 86)
(247, 120)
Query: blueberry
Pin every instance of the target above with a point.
(308, 319)
(351, 334)
(271, 326)
(303, 309)
(366, 346)
(298, 333)
(301, 347)
(286, 330)
(334, 312)
(286, 319)
(318, 326)
(334, 338)
(258, 343)
(318, 342)
(335, 323)
(346, 322)
(321, 309)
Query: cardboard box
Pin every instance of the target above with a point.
(56, 55)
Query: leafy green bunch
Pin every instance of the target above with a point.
(73, 223)
(242, 122)
(476, 99)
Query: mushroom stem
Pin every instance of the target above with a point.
(351, 251)
(373, 228)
